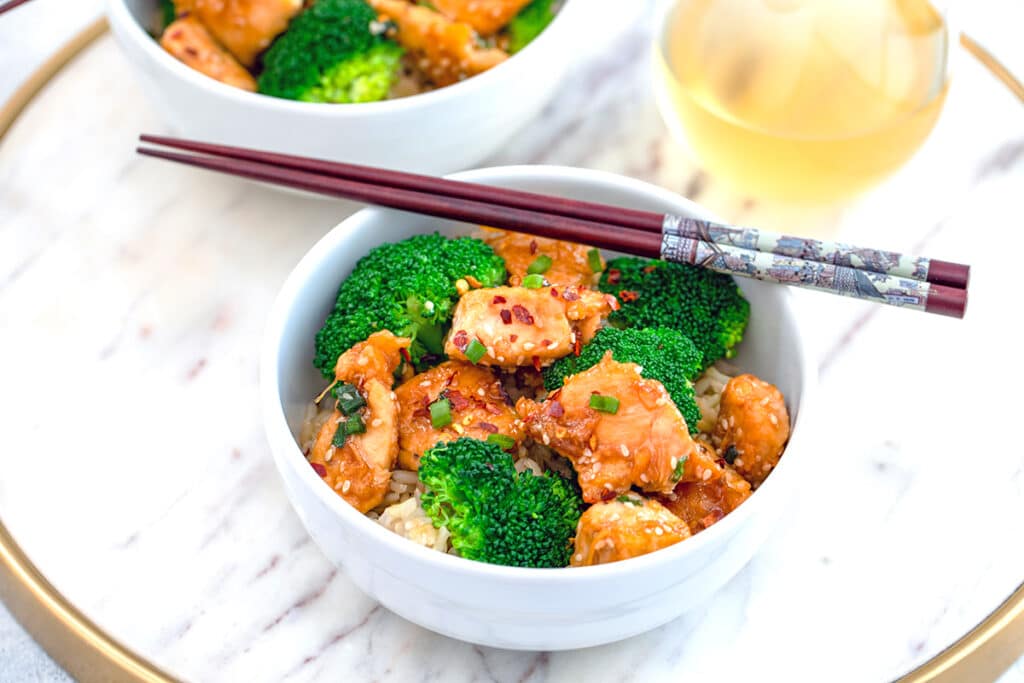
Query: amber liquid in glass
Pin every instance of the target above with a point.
(805, 100)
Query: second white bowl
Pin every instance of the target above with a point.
(436, 132)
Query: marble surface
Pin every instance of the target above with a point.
(135, 473)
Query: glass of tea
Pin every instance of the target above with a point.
(802, 100)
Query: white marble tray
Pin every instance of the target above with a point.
(134, 472)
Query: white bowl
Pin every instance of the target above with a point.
(436, 132)
(536, 609)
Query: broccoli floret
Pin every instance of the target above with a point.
(495, 514)
(664, 354)
(330, 54)
(529, 24)
(168, 13)
(406, 287)
(705, 306)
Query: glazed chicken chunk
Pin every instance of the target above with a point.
(570, 262)
(485, 16)
(521, 327)
(245, 27)
(752, 427)
(644, 443)
(627, 527)
(702, 503)
(189, 42)
(477, 404)
(358, 465)
(447, 50)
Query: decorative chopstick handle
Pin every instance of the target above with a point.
(820, 251)
(826, 277)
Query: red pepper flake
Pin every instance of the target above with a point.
(555, 409)
(533, 246)
(614, 275)
(545, 342)
(649, 269)
(522, 315)
(577, 346)
(461, 340)
(488, 427)
(319, 469)
(608, 494)
(498, 300)
(613, 303)
(571, 295)
(404, 352)
(191, 51)
(458, 401)
(554, 292)
(536, 363)
(421, 412)
(492, 409)
(629, 295)
(512, 337)
(506, 316)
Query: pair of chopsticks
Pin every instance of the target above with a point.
(8, 6)
(919, 283)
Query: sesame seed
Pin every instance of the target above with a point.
(706, 475)
(774, 420)
(528, 346)
(500, 359)
(578, 557)
(481, 392)
(624, 449)
(458, 428)
(638, 369)
(643, 478)
(329, 454)
(363, 360)
(346, 486)
(597, 467)
(425, 383)
(608, 485)
(376, 422)
(546, 439)
(738, 462)
(673, 462)
(658, 531)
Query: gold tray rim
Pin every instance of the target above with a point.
(88, 653)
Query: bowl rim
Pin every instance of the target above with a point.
(278, 431)
(122, 18)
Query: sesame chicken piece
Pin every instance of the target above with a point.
(702, 503)
(190, 43)
(524, 327)
(447, 50)
(645, 443)
(245, 27)
(360, 469)
(485, 16)
(753, 426)
(570, 264)
(479, 407)
(627, 527)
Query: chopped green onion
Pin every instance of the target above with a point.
(629, 499)
(501, 441)
(475, 351)
(441, 413)
(534, 281)
(594, 260)
(606, 404)
(540, 265)
(677, 473)
(349, 399)
(355, 425)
